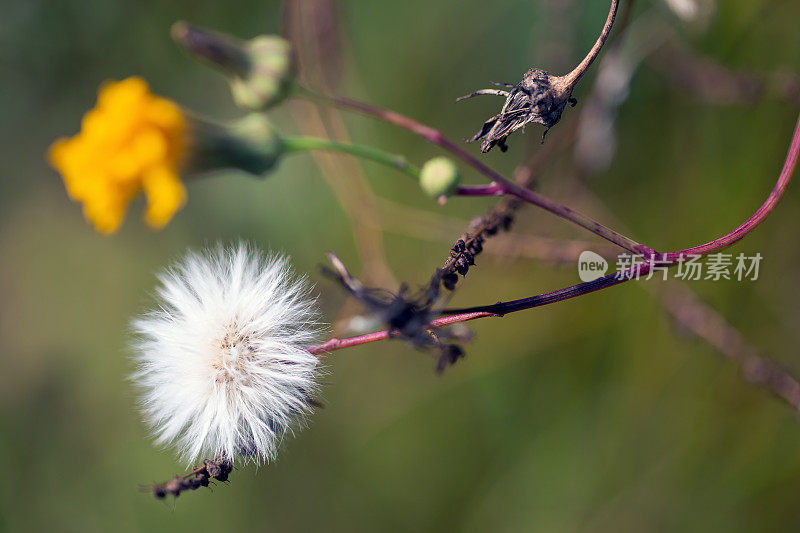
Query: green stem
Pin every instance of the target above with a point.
(301, 144)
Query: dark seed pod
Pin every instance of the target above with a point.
(199, 480)
(462, 266)
(214, 470)
(219, 469)
(226, 467)
(449, 281)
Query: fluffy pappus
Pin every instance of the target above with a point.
(222, 363)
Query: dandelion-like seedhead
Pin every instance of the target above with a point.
(222, 362)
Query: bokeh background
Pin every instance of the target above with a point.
(597, 414)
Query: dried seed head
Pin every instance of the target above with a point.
(539, 97)
(222, 364)
(407, 316)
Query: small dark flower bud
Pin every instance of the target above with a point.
(476, 246)
(219, 469)
(449, 281)
(462, 266)
(213, 469)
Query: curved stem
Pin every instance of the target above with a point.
(299, 144)
(436, 137)
(669, 259)
(759, 216)
(633, 272)
(572, 78)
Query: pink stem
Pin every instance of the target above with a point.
(634, 272)
(480, 190)
(576, 74)
(338, 344)
(758, 217)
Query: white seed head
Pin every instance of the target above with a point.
(221, 363)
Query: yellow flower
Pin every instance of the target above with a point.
(132, 141)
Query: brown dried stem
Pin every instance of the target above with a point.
(577, 73)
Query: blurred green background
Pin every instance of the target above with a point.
(595, 414)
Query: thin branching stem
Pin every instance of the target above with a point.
(436, 137)
(633, 272)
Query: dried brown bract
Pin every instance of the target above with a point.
(218, 469)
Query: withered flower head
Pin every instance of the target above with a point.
(540, 97)
(407, 315)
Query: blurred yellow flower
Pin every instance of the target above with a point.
(131, 141)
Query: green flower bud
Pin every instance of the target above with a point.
(439, 177)
(250, 144)
(260, 70)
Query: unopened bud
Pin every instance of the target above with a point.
(250, 144)
(260, 70)
(439, 177)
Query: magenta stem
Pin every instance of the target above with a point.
(338, 344)
(480, 190)
(759, 216)
(634, 272)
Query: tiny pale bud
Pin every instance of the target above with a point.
(439, 177)
(270, 73)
